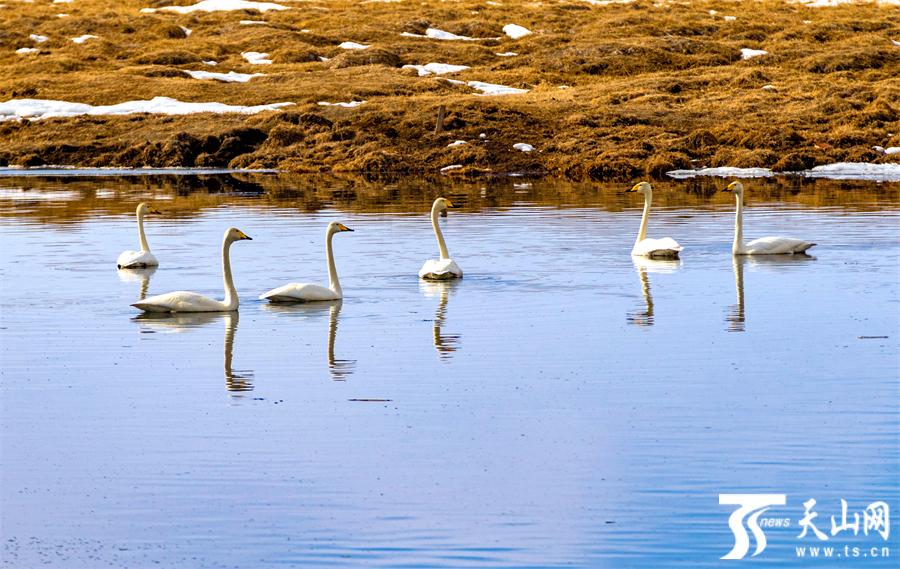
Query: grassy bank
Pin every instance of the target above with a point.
(614, 92)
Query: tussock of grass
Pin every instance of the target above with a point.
(648, 88)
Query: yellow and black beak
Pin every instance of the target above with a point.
(343, 227)
(448, 203)
(245, 236)
(729, 188)
(633, 189)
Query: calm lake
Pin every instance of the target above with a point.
(562, 405)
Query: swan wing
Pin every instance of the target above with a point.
(180, 301)
(440, 269)
(136, 260)
(665, 247)
(776, 246)
(300, 292)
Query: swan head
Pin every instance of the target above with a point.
(736, 187)
(441, 205)
(641, 188)
(233, 234)
(336, 227)
(144, 208)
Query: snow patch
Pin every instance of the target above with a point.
(856, 171)
(353, 45)
(456, 143)
(84, 38)
(348, 105)
(209, 62)
(729, 18)
(38, 38)
(230, 77)
(436, 68)
(722, 172)
(506, 54)
(492, 89)
(27, 50)
(521, 146)
(187, 31)
(515, 31)
(436, 34)
(256, 57)
(252, 23)
(747, 53)
(451, 167)
(36, 109)
(218, 6)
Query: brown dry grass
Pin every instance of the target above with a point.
(649, 88)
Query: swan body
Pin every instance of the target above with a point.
(764, 245)
(444, 268)
(665, 248)
(305, 292)
(143, 258)
(184, 301)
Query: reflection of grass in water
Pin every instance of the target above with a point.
(649, 89)
(185, 196)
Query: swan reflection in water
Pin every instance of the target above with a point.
(644, 316)
(236, 381)
(445, 344)
(736, 317)
(137, 275)
(339, 369)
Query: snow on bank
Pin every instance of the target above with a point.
(832, 3)
(187, 31)
(230, 77)
(218, 6)
(348, 105)
(856, 171)
(436, 68)
(353, 45)
(457, 143)
(523, 147)
(27, 50)
(256, 57)
(84, 38)
(38, 38)
(492, 89)
(515, 31)
(36, 109)
(837, 171)
(747, 53)
(436, 34)
(450, 168)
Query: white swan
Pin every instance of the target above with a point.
(305, 292)
(143, 258)
(181, 301)
(445, 267)
(665, 248)
(763, 245)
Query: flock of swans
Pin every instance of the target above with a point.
(443, 268)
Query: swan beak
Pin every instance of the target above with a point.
(449, 203)
(244, 236)
(342, 227)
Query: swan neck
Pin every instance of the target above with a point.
(231, 297)
(642, 232)
(333, 283)
(738, 245)
(143, 238)
(437, 232)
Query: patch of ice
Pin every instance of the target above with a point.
(27, 50)
(323, 59)
(747, 53)
(353, 45)
(892, 150)
(230, 77)
(729, 18)
(209, 62)
(856, 171)
(521, 146)
(450, 167)
(506, 54)
(436, 68)
(256, 57)
(436, 34)
(348, 105)
(252, 23)
(62, 1)
(37, 38)
(769, 88)
(84, 38)
(36, 109)
(895, 42)
(722, 172)
(492, 89)
(62, 15)
(456, 143)
(218, 6)
(515, 31)
(187, 31)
